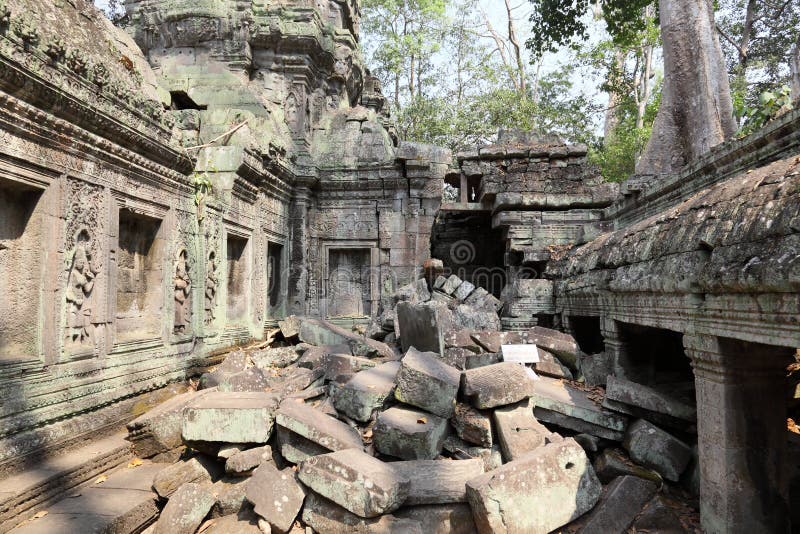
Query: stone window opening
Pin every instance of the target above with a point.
(20, 263)
(473, 189)
(181, 101)
(237, 283)
(587, 333)
(140, 277)
(655, 356)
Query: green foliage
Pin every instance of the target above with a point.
(203, 186)
(771, 105)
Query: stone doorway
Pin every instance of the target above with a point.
(140, 277)
(349, 292)
(237, 278)
(21, 259)
(275, 292)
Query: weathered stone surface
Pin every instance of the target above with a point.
(659, 517)
(356, 481)
(560, 404)
(482, 360)
(290, 327)
(420, 327)
(228, 450)
(343, 364)
(245, 461)
(561, 344)
(314, 357)
(483, 300)
(612, 463)
(464, 290)
(646, 398)
(414, 292)
(471, 318)
(409, 434)
(367, 391)
(318, 332)
(619, 505)
(426, 382)
(274, 357)
(472, 426)
(539, 493)
(276, 495)
(317, 427)
(461, 339)
(438, 481)
(518, 431)
(440, 518)
(172, 477)
(241, 523)
(496, 385)
(327, 517)
(652, 447)
(230, 418)
(450, 285)
(251, 379)
(551, 366)
(185, 510)
(229, 493)
(596, 368)
(457, 448)
(295, 448)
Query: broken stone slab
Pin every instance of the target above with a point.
(472, 426)
(595, 368)
(450, 285)
(469, 317)
(356, 481)
(295, 379)
(294, 448)
(245, 522)
(230, 418)
(317, 427)
(244, 462)
(366, 391)
(318, 332)
(612, 463)
(290, 327)
(159, 430)
(559, 403)
(414, 292)
(461, 339)
(272, 357)
(440, 518)
(461, 450)
(196, 469)
(544, 490)
(438, 481)
(344, 364)
(228, 450)
(496, 385)
(439, 282)
(251, 379)
(419, 327)
(326, 517)
(229, 493)
(482, 360)
(185, 510)
(234, 362)
(409, 434)
(464, 291)
(483, 300)
(314, 357)
(654, 448)
(551, 366)
(427, 382)
(659, 517)
(589, 443)
(276, 495)
(562, 345)
(518, 431)
(492, 341)
(641, 397)
(619, 505)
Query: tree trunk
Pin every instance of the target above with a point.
(614, 98)
(795, 66)
(696, 111)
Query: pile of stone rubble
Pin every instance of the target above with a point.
(336, 432)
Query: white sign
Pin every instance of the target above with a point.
(520, 353)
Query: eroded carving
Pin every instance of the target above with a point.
(183, 287)
(80, 286)
(211, 288)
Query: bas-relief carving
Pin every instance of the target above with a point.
(182, 287)
(291, 111)
(210, 292)
(80, 287)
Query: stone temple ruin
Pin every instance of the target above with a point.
(224, 174)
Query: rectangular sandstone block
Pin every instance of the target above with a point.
(230, 417)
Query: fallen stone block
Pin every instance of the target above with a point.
(290, 327)
(461, 339)
(245, 522)
(619, 505)
(438, 481)
(244, 462)
(172, 477)
(561, 344)
(356, 481)
(317, 427)
(185, 510)
(589, 443)
(327, 517)
(483, 300)
(648, 399)
(276, 495)
(248, 380)
(366, 391)
(419, 327)
(159, 430)
(409, 434)
(492, 341)
(482, 360)
(464, 291)
(461, 450)
(529, 495)
(273, 357)
(654, 448)
(229, 495)
(472, 426)
(343, 364)
(450, 285)
(427, 382)
(295, 379)
(229, 449)
(612, 463)
(230, 418)
(595, 368)
(294, 448)
(440, 518)
(549, 365)
(496, 385)
(518, 431)
(439, 282)
(318, 332)
(415, 292)
(659, 517)
(314, 357)
(471, 318)
(559, 403)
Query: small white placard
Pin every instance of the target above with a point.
(520, 353)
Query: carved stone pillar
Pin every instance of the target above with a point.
(741, 424)
(617, 350)
(300, 242)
